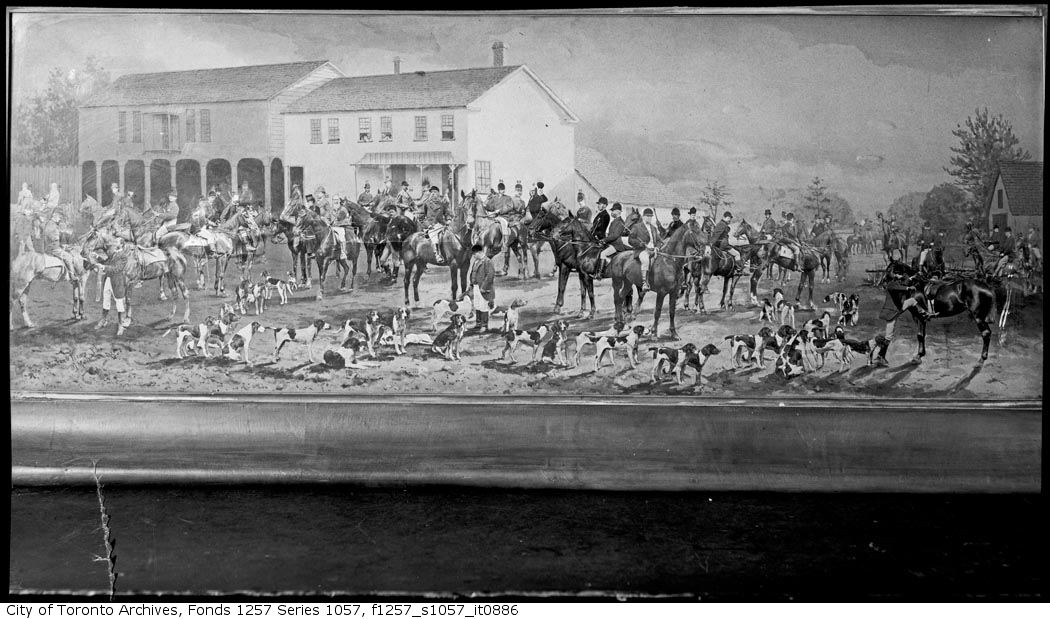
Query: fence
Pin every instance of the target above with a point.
(41, 177)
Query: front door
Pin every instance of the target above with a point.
(295, 177)
(397, 174)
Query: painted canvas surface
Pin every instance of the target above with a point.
(527, 204)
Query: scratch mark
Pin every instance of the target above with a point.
(107, 536)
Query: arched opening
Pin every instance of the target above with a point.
(88, 185)
(218, 174)
(187, 186)
(110, 175)
(159, 180)
(251, 171)
(135, 180)
(276, 187)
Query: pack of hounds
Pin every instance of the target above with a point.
(795, 351)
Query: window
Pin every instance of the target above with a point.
(421, 128)
(191, 126)
(315, 130)
(482, 175)
(364, 129)
(162, 132)
(136, 127)
(205, 125)
(333, 130)
(386, 128)
(448, 130)
(122, 127)
(999, 198)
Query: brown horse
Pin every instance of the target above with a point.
(805, 262)
(574, 250)
(416, 250)
(30, 265)
(830, 246)
(319, 241)
(666, 269)
(488, 233)
(715, 261)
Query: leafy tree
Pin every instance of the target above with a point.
(984, 142)
(816, 202)
(45, 125)
(715, 196)
(907, 210)
(840, 209)
(945, 207)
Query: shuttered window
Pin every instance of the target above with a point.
(205, 125)
(191, 126)
(122, 127)
(136, 127)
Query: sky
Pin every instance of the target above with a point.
(757, 102)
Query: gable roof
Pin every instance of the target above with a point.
(1023, 181)
(402, 91)
(634, 190)
(251, 83)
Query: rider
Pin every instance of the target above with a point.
(246, 195)
(789, 234)
(25, 197)
(769, 226)
(583, 212)
(242, 223)
(339, 219)
(435, 218)
(643, 237)
(53, 197)
(404, 198)
(498, 207)
(927, 241)
(996, 239)
(536, 201)
(820, 226)
(1006, 251)
(1035, 246)
(321, 201)
(168, 215)
(601, 220)
(676, 222)
(720, 239)
(52, 234)
(613, 239)
(366, 197)
(294, 202)
(114, 285)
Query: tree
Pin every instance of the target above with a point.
(907, 210)
(45, 125)
(816, 202)
(840, 209)
(716, 197)
(945, 207)
(984, 142)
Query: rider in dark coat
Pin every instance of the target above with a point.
(769, 226)
(676, 222)
(536, 201)
(601, 220)
(720, 239)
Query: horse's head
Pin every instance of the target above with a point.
(399, 229)
(745, 231)
(542, 223)
(557, 209)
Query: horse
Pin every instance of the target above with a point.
(894, 244)
(666, 268)
(30, 265)
(416, 251)
(535, 246)
(574, 250)
(318, 240)
(715, 261)
(167, 265)
(490, 236)
(977, 297)
(367, 228)
(772, 251)
(829, 245)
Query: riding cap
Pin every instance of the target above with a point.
(692, 210)
(435, 188)
(727, 214)
(501, 187)
(769, 212)
(616, 207)
(675, 211)
(367, 186)
(647, 212)
(404, 183)
(603, 200)
(310, 197)
(790, 216)
(517, 185)
(540, 184)
(477, 248)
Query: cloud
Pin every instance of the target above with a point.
(870, 159)
(736, 110)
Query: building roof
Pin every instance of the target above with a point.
(1023, 181)
(616, 187)
(408, 158)
(402, 91)
(251, 83)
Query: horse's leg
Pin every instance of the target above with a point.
(700, 287)
(618, 301)
(23, 304)
(725, 291)
(656, 315)
(583, 293)
(353, 272)
(464, 274)
(322, 272)
(408, 275)
(563, 280)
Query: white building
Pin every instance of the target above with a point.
(459, 129)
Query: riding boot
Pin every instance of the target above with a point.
(104, 320)
(477, 321)
(122, 323)
(484, 317)
(645, 282)
(599, 273)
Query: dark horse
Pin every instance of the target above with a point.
(416, 250)
(318, 239)
(950, 297)
(666, 269)
(715, 261)
(489, 234)
(894, 244)
(762, 251)
(574, 250)
(830, 245)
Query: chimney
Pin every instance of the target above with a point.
(497, 54)
(397, 65)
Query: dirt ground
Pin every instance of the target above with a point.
(65, 356)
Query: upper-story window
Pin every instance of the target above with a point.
(999, 198)
(364, 129)
(482, 175)
(333, 130)
(162, 132)
(421, 129)
(136, 127)
(122, 127)
(386, 128)
(315, 130)
(448, 127)
(191, 126)
(205, 125)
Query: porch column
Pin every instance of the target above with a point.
(174, 177)
(266, 184)
(98, 181)
(421, 182)
(146, 181)
(204, 178)
(286, 171)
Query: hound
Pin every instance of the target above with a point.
(346, 355)
(399, 328)
(374, 329)
(245, 295)
(782, 309)
(447, 342)
(511, 317)
(667, 359)
(443, 308)
(306, 336)
(740, 343)
(790, 363)
(846, 347)
(627, 342)
(272, 284)
(554, 350)
(819, 327)
(531, 338)
(592, 337)
(768, 313)
(289, 277)
(241, 340)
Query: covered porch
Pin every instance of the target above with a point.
(419, 169)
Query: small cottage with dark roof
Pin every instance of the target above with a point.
(190, 130)
(1017, 197)
(459, 129)
(596, 178)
